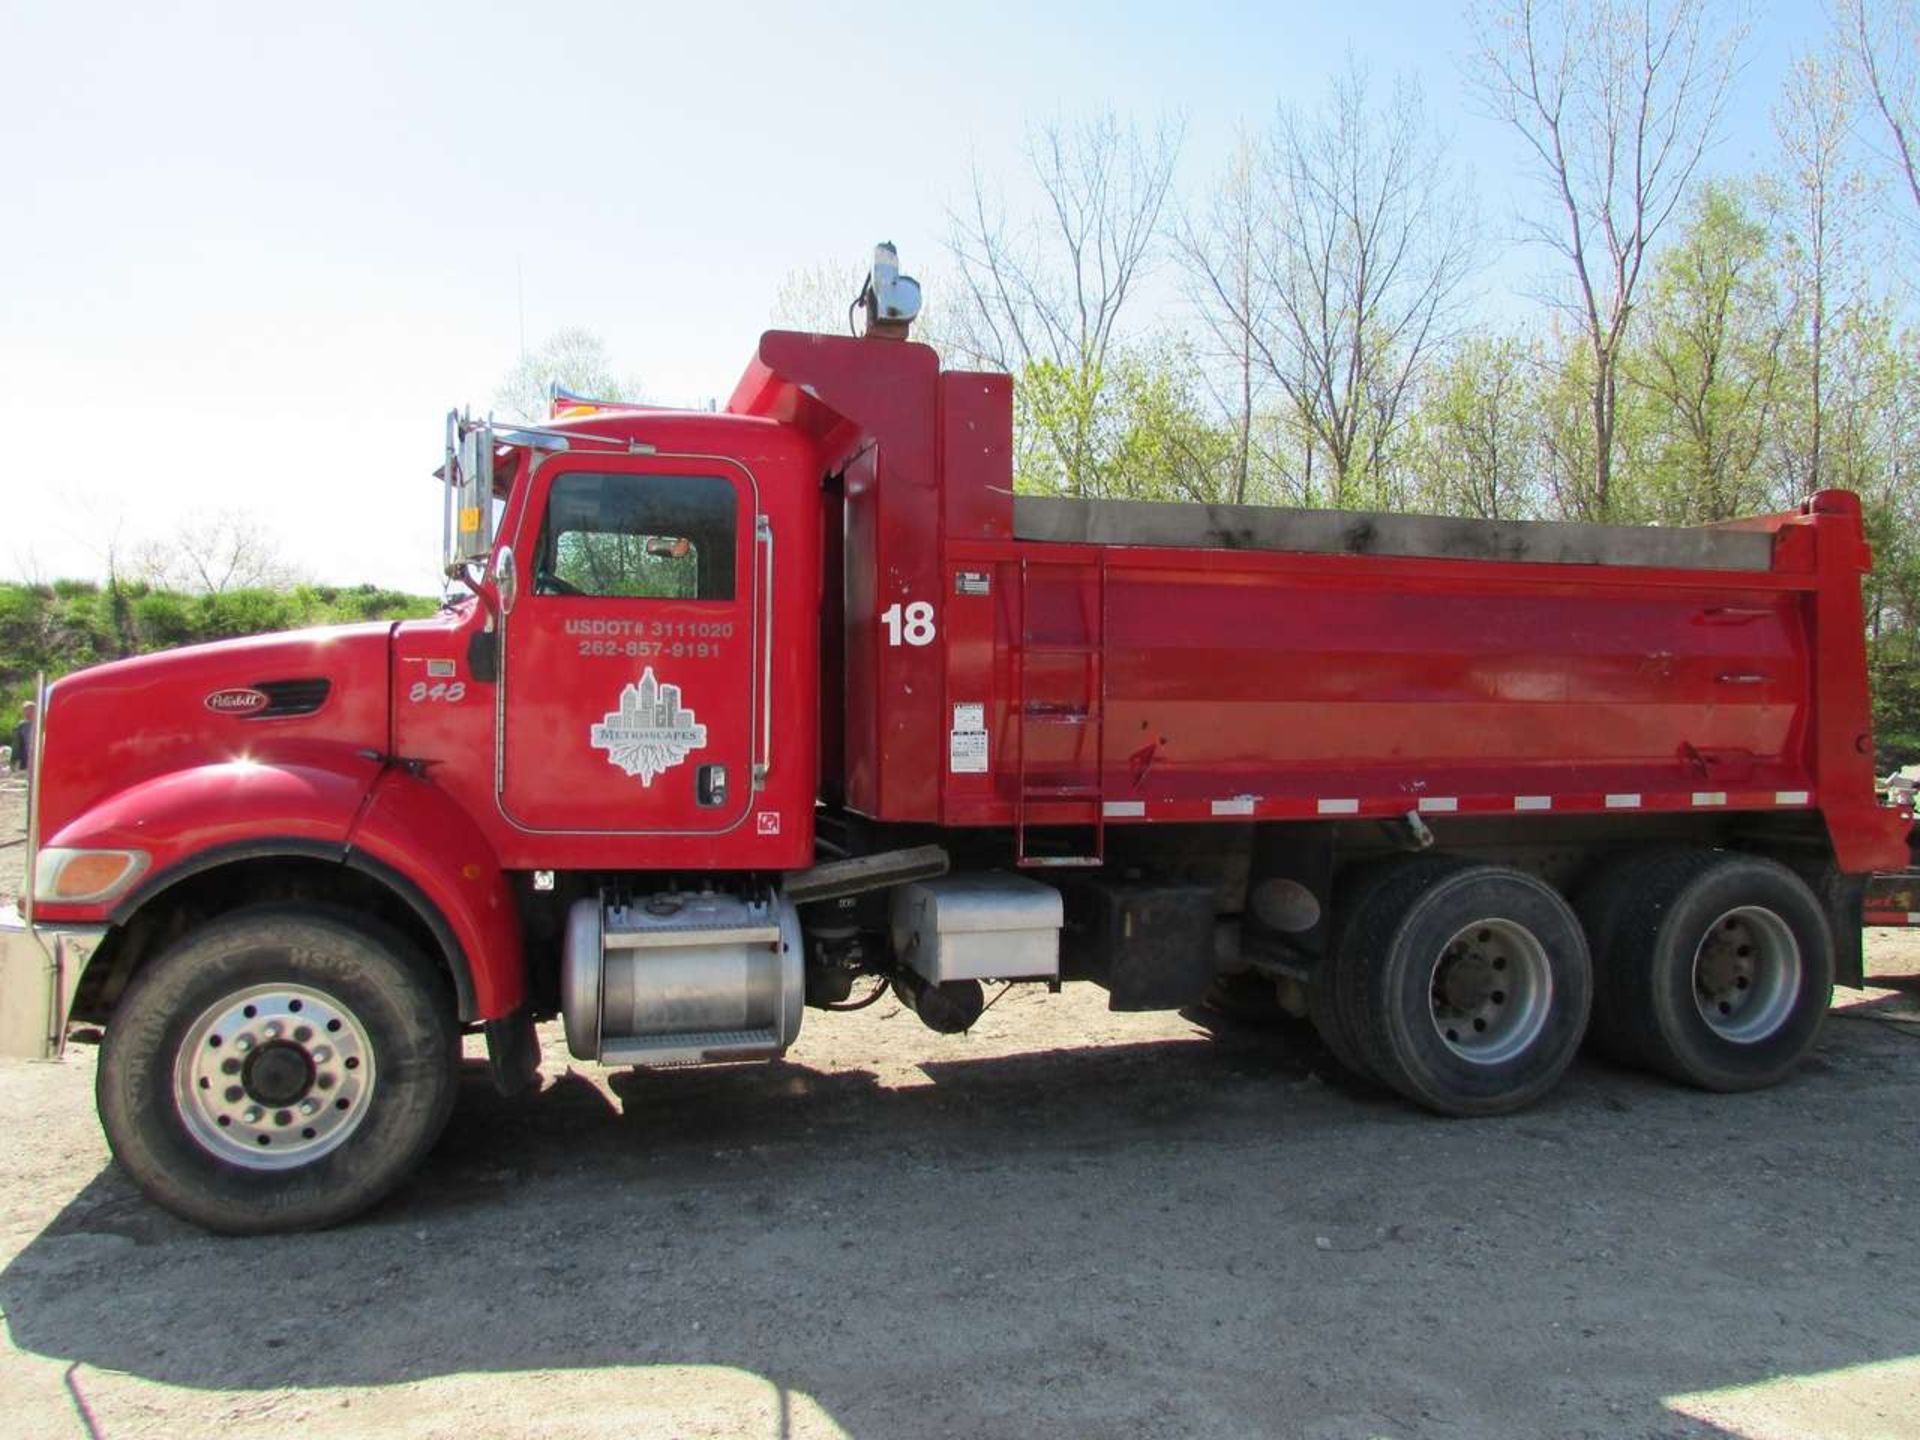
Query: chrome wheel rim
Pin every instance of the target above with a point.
(1746, 975)
(1490, 991)
(274, 1076)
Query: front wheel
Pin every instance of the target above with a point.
(281, 1068)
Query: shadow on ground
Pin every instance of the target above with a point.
(1192, 1236)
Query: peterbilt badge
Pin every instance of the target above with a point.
(650, 732)
(241, 700)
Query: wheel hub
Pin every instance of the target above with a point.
(274, 1076)
(1491, 991)
(280, 1072)
(1746, 974)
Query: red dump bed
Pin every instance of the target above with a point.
(1054, 661)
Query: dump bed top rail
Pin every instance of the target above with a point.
(1354, 532)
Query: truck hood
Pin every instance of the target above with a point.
(302, 697)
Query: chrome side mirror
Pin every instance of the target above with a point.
(506, 579)
(468, 475)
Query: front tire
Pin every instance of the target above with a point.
(281, 1068)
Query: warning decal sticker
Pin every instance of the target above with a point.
(967, 742)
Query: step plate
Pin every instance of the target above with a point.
(696, 1048)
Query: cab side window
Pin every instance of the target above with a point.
(664, 537)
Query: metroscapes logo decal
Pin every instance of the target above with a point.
(651, 731)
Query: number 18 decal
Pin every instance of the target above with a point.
(914, 625)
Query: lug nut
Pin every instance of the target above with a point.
(307, 1107)
(321, 1055)
(273, 1032)
(243, 1044)
(252, 1117)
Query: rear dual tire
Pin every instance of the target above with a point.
(1715, 969)
(1464, 987)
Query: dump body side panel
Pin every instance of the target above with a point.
(1235, 684)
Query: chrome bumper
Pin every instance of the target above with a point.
(39, 971)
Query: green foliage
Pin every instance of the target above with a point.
(1476, 441)
(1896, 710)
(71, 624)
(1141, 429)
(1707, 373)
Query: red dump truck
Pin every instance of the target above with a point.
(732, 714)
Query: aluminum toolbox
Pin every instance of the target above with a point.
(978, 927)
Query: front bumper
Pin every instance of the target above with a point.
(39, 971)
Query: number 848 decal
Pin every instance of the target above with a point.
(452, 692)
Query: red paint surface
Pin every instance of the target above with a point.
(415, 828)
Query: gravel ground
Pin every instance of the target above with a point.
(1067, 1223)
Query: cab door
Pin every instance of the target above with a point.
(628, 681)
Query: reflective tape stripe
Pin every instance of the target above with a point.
(1239, 805)
(1623, 802)
(1438, 804)
(1339, 807)
(1533, 802)
(1709, 797)
(1124, 808)
(1791, 797)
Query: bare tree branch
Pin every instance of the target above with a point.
(1880, 38)
(1356, 262)
(1052, 292)
(1618, 102)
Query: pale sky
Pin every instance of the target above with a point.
(252, 253)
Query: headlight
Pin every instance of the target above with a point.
(76, 877)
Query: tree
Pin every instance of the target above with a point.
(574, 359)
(1710, 365)
(1044, 299)
(1616, 101)
(818, 298)
(1168, 443)
(1220, 254)
(1873, 427)
(1882, 40)
(1359, 261)
(1477, 439)
(212, 553)
(1155, 435)
(1818, 204)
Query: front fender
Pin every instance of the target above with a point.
(412, 834)
(218, 809)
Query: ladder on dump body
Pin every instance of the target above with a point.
(1090, 713)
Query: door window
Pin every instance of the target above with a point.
(665, 537)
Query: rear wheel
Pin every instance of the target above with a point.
(279, 1069)
(1330, 1020)
(1717, 968)
(1608, 898)
(1467, 986)
(1355, 901)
